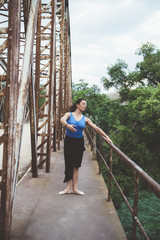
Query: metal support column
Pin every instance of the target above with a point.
(10, 121)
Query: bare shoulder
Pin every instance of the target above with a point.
(90, 123)
(88, 120)
(66, 115)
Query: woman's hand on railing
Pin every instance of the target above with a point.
(108, 139)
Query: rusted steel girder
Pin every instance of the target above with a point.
(54, 138)
(67, 61)
(32, 97)
(3, 58)
(33, 125)
(45, 73)
(61, 68)
(64, 79)
(50, 72)
(2, 2)
(52, 79)
(25, 75)
(3, 46)
(3, 65)
(10, 122)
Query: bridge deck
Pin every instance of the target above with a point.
(41, 214)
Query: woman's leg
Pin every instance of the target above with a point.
(75, 181)
(69, 185)
(75, 178)
(68, 188)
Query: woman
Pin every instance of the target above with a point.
(75, 121)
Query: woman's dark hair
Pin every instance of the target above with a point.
(74, 107)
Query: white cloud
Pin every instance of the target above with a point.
(151, 26)
(103, 31)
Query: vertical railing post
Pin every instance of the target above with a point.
(92, 132)
(135, 206)
(94, 145)
(110, 178)
(99, 158)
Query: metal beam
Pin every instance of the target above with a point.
(25, 77)
(8, 193)
(2, 2)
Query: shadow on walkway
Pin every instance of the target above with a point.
(40, 213)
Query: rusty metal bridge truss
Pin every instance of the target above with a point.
(35, 84)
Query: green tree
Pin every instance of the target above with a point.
(138, 134)
(149, 67)
(147, 72)
(121, 78)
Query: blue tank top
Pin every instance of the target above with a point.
(80, 125)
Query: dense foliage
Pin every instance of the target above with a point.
(149, 204)
(146, 73)
(134, 127)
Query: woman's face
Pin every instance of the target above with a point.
(82, 105)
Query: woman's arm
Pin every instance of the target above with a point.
(98, 130)
(64, 119)
(71, 127)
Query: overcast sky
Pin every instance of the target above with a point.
(104, 30)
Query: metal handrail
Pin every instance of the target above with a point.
(155, 187)
(138, 172)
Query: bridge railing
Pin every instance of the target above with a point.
(139, 173)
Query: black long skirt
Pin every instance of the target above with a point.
(73, 154)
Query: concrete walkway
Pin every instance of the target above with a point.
(40, 213)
